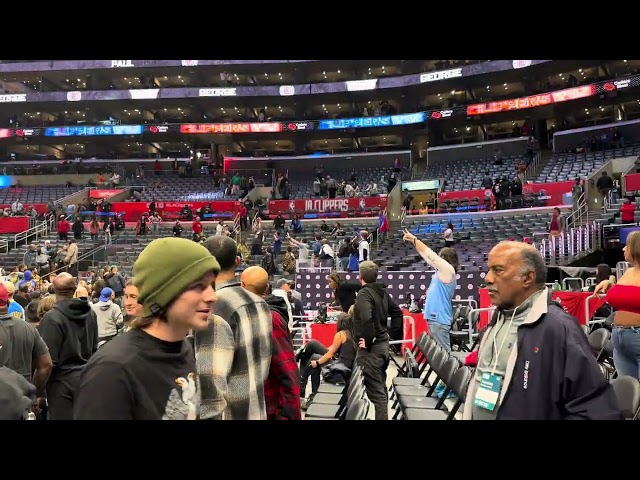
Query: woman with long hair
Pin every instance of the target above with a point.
(344, 291)
(623, 297)
(438, 309)
(94, 228)
(315, 355)
(132, 309)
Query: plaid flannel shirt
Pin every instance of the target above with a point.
(232, 370)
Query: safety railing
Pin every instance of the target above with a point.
(581, 210)
(40, 229)
(302, 333)
(373, 238)
(91, 253)
(236, 231)
(533, 166)
(261, 176)
(570, 244)
(565, 282)
(588, 321)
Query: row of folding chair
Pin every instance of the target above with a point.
(337, 402)
(416, 398)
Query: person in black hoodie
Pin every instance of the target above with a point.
(77, 228)
(373, 306)
(70, 330)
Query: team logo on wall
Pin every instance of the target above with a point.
(74, 96)
(189, 63)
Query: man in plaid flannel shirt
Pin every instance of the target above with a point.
(232, 371)
(282, 388)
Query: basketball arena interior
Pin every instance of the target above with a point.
(317, 170)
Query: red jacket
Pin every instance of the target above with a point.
(282, 387)
(196, 226)
(63, 226)
(626, 212)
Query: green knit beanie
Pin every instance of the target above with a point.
(166, 267)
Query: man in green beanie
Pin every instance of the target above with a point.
(149, 373)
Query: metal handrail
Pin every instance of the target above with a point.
(533, 165)
(237, 228)
(582, 209)
(565, 280)
(587, 320)
(84, 256)
(572, 243)
(63, 199)
(40, 228)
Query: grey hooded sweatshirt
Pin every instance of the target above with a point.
(109, 318)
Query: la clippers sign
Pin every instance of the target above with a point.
(328, 204)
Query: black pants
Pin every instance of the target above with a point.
(73, 269)
(374, 362)
(313, 351)
(61, 392)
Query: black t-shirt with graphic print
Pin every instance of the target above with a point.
(139, 377)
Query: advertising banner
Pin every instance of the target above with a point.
(552, 192)
(632, 182)
(104, 193)
(327, 204)
(14, 224)
(169, 210)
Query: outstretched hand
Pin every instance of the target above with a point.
(408, 236)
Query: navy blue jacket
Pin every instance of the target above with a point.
(552, 373)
